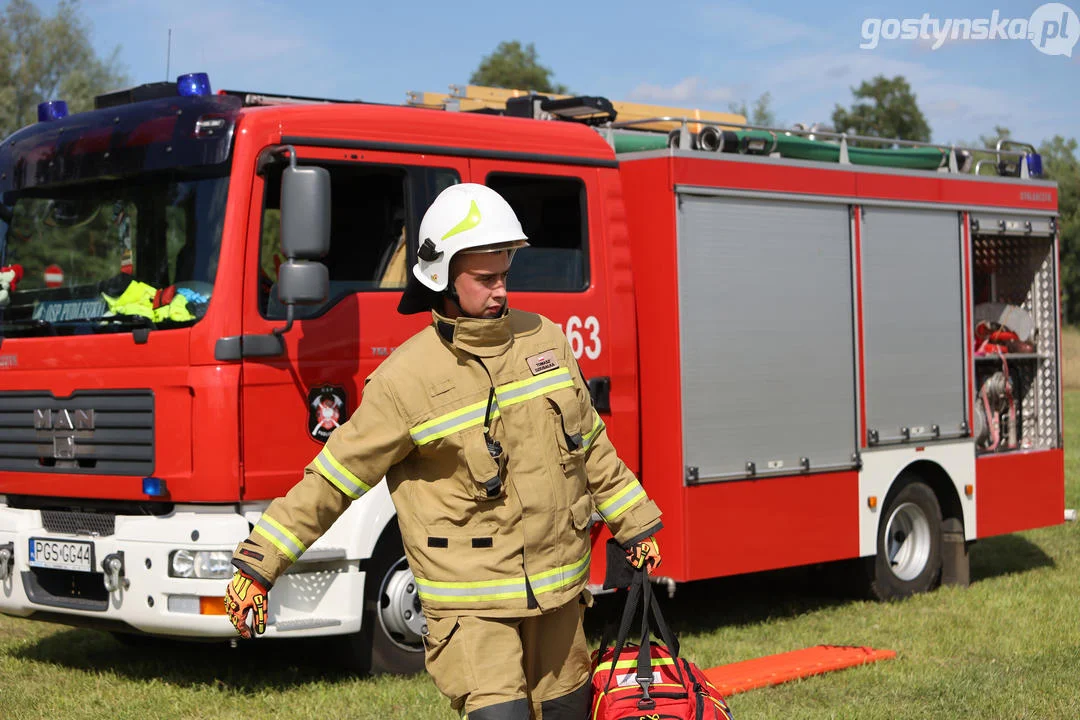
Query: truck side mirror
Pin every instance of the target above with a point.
(302, 283)
(305, 212)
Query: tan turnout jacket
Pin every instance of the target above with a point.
(421, 425)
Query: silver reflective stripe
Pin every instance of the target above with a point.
(280, 536)
(338, 474)
(616, 505)
(559, 577)
(453, 422)
(598, 425)
(516, 392)
(471, 591)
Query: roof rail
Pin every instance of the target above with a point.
(251, 99)
(1025, 163)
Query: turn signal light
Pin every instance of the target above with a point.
(214, 605)
(871, 502)
(969, 490)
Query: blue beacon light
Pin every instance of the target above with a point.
(52, 110)
(154, 487)
(193, 85)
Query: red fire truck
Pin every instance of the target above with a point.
(809, 347)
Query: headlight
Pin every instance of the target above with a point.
(217, 565)
(207, 565)
(182, 564)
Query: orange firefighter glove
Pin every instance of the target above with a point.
(644, 554)
(243, 595)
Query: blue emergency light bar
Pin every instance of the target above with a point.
(193, 85)
(52, 110)
(1034, 163)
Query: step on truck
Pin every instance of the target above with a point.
(810, 346)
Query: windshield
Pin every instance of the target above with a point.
(109, 256)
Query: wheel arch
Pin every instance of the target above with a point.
(940, 482)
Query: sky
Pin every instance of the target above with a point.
(704, 54)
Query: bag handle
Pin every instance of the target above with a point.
(629, 611)
(640, 591)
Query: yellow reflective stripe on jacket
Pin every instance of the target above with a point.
(559, 577)
(522, 390)
(587, 438)
(280, 536)
(484, 590)
(470, 591)
(453, 422)
(621, 501)
(505, 395)
(632, 663)
(339, 475)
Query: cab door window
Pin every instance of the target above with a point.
(374, 218)
(553, 215)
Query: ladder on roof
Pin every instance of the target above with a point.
(631, 127)
(479, 98)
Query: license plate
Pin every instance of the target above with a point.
(62, 554)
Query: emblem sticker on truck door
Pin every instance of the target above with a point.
(326, 410)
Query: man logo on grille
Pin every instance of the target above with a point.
(62, 426)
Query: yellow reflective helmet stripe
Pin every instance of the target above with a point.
(621, 501)
(280, 536)
(506, 395)
(471, 220)
(329, 467)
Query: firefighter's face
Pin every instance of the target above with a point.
(480, 281)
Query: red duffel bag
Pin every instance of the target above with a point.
(650, 680)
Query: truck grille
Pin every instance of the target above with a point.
(79, 523)
(89, 432)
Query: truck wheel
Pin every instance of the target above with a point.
(908, 557)
(391, 638)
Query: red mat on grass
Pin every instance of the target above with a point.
(775, 669)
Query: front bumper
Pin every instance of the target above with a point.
(321, 595)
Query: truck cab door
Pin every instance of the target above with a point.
(292, 402)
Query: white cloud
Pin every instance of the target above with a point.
(809, 86)
(754, 28)
(691, 90)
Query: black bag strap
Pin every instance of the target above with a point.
(660, 629)
(640, 592)
(633, 596)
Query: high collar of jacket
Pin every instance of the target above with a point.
(483, 337)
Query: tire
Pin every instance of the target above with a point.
(909, 540)
(390, 639)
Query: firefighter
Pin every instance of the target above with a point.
(484, 429)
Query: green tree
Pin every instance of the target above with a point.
(1060, 163)
(883, 108)
(761, 114)
(49, 58)
(516, 67)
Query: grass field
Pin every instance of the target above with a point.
(1006, 647)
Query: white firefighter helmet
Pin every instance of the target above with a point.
(464, 218)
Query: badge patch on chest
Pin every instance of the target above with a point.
(543, 362)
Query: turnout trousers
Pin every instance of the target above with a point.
(535, 667)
